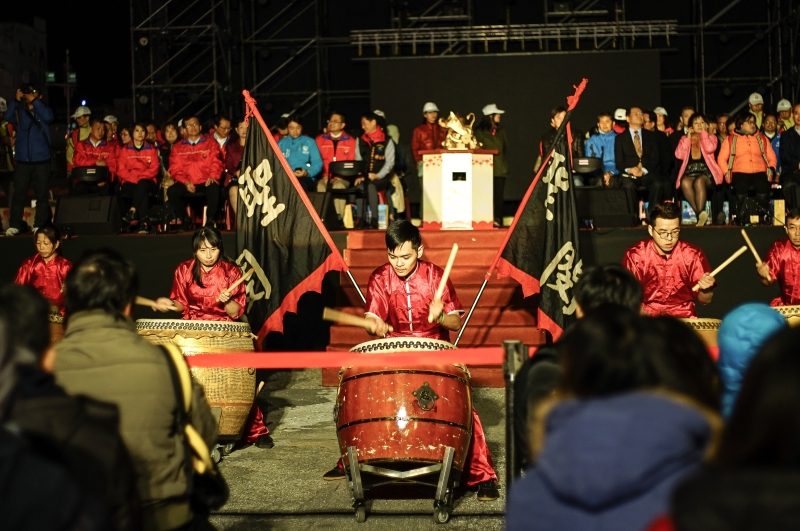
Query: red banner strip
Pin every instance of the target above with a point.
(308, 360)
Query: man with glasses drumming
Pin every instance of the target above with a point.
(782, 263)
(668, 268)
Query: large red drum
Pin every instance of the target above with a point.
(404, 415)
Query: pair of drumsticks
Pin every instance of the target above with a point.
(329, 314)
(143, 301)
(734, 256)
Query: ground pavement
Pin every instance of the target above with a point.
(282, 488)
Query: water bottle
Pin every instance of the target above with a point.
(383, 215)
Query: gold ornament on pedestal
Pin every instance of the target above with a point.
(459, 133)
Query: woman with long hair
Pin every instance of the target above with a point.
(699, 171)
(137, 169)
(47, 270)
(124, 134)
(492, 136)
(233, 161)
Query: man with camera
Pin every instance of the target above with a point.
(31, 118)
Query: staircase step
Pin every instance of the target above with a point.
(500, 296)
(375, 257)
(371, 239)
(459, 275)
(482, 315)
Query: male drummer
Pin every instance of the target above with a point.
(401, 295)
(669, 268)
(782, 263)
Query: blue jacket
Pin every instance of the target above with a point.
(776, 147)
(741, 335)
(33, 143)
(609, 464)
(302, 152)
(602, 145)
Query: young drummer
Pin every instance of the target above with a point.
(47, 270)
(669, 268)
(401, 295)
(199, 292)
(782, 263)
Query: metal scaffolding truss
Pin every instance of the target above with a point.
(181, 62)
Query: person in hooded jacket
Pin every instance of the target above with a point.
(752, 483)
(634, 413)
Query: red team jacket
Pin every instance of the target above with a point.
(133, 164)
(196, 163)
(87, 154)
(345, 149)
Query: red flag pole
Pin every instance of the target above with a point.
(252, 110)
(572, 101)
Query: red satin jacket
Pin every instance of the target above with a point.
(425, 137)
(784, 266)
(46, 277)
(195, 163)
(200, 304)
(667, 280)
(403, 302)
(134, 165)
(87, 154)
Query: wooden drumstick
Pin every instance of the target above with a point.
(233, 286)
(329, 314)
(726, 263)
(445, 276)
(752, 247)
(142, 301)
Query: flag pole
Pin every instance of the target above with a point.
(350, 275)
(572, 101)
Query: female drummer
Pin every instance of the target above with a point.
(200, 292)
(46, 270)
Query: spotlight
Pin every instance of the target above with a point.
(144, 41)
(143, 99)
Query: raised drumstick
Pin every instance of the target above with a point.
(726, 263)
(752, 247)
(447, 269)
(329, 314)
(142, 301)
(244, 277)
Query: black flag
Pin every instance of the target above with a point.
(541, 250)
(279, 233)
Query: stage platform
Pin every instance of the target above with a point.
(501, 314)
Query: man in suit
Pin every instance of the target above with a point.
(639, 156)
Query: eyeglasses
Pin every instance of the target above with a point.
(773, 122)
(192, 124)
(668, 235)
(334, 122)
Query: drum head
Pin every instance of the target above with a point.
(401, 344)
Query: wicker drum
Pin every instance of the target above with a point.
(706, 328)
(56, 327)
(230, 390)
(792, 314)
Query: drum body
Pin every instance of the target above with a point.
(792, 314)
(706, 328)
(402, 417)
(56, 327)
(232, 390)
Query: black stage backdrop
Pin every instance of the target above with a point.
(526, 86)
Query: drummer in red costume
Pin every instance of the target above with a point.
(199, 292)
(401, 295)
(668, 268)
(782, 263)
(46, 270)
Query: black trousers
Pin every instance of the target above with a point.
(176, 196)
(789, 186)
(658, 189)
(139, 194)
(498, 185)
(36, 174)
(741, 183)
(369, 189)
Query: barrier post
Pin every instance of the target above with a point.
(512, 349)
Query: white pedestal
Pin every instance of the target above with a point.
(457, 189)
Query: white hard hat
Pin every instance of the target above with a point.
(491, 109)
(755, 99)
(379, 113)
(784, 105)
(429, 107)
(83, 110)
(620, 114)
(111, 119)
(3, 105)
(660, 110)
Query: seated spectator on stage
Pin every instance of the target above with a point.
(152, 133)
(722, 129)
(619, 120)
(790, 161)
(648, 120)
(221, 132)
(557, 116)
(601, 146)
(750, 483)
(699, 172)
(301, 153)
(335, 145)
(661, 121)
(428, 135)
(8, 136)
(785, 119)
(770, 126)
(79, 431)
(634, 413)
(741, 334)
(281, 128)
(597, 287)
(31, 119)
(378, 151)
(170, 133)
(102, 357)
(756, 105)
(95, 150)
(406, 171)
(81, 116)
(195, 165)
(137, 169)
(124, 136)
(233, 164)
(111, 124)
